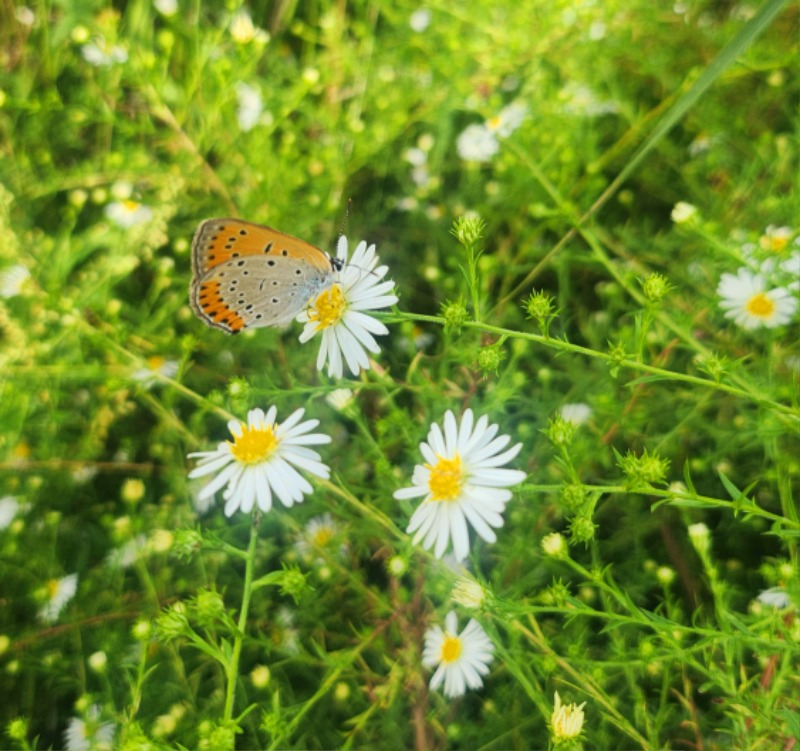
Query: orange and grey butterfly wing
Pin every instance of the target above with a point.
(247, 276)
(218, 241)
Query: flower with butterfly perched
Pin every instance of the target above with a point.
(263, 459)
(463, 482)
(339, 312)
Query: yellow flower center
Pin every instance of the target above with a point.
(323, 536)
(760, 306)
(451, 649)
(254, 445)
(155, 362)
(328, 308)
(131, 205)
(775, 243)
(493, 123)
(446, 478)
(52, 588)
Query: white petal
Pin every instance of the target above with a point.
(221, 479)
(499, 459)
(450, 433)
(413, 492)
(465, 429)
(361, 320)
(499, 478)
(209, 466)
(459, 533)
(264, 496)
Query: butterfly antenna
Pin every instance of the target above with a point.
(346, 217)
(344, 226)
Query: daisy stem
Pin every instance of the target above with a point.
(747, 391)
(232, 669)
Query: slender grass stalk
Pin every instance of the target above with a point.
(232, 669)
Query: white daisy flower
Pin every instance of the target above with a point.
(477, 143)
(340, 311)
(460, 659)
(91, 733)
(748, 303)
(462, 483)
(13, 280)
(251, 106)
(58, 592)
(101, 53)
(577, 413)
(263, 459)
(129, 213)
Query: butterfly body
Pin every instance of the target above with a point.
(245, 275)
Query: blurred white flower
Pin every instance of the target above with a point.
(776, 239)
(129, 552)
(683, 212)
(89, 734)
(244, 31)
(251, 106)
(156, 366)
(505, 122)
(101, 53)
(578, 99)
(166, 7)
(701, 144)
(9, 508)
(127, 214)
(415, 156)
(12, 280)
(477, 143)
(577, 413)
(777, 597)
(317, 537)
(58, 592)
(25, 15)
(420, 20)
(340, 399)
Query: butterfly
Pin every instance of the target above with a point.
(245, 275)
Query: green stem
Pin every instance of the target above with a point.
(232, 670)
(624, 362)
